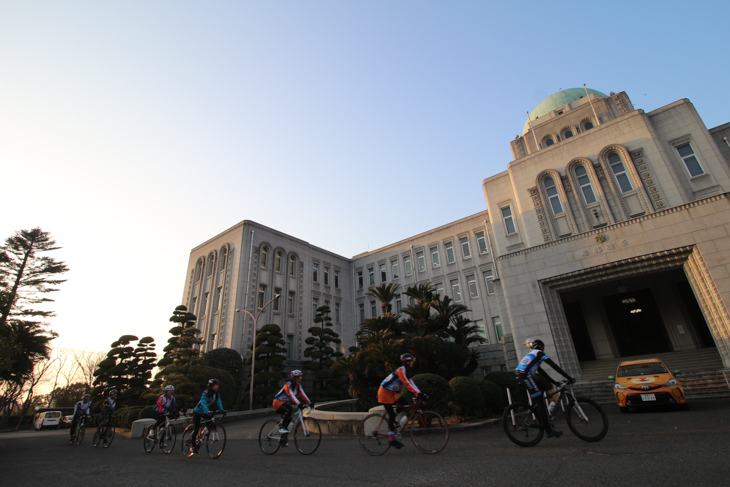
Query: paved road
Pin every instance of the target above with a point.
(642, 449)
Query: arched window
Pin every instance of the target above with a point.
(224, 254)
(277, 261)
(292, 265)
(588, 126)
(264, 256)
(552, 192)
(567, 134)
(198, 269)
(584, 181)
(619, 172)
(547, 141)
(211, 260)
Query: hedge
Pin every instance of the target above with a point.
(438, 392)
(468, 399)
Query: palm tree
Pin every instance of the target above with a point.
(385, 293)
(447, 310)
(463, 332)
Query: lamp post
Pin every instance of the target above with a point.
(253, 349)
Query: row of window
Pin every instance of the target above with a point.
(566, 133)
(278, 261)
(454, 286)
(291, 302)
(619, 172)
(421, 263)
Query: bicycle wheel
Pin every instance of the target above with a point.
(586, 419)
(307, 443)
(80, 430)
(109, 437)
(269, 437)
(149, 438)
(169, 438)
(98, 436)
(429, 432)
(215, 442)
(521, 426)
(186, 442)
(374, 434)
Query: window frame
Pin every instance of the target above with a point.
(473, 292)
(510, 217)
(481, 239)
(589, 184)
(684, 159)
(394, 269)
(315, 272)
(465, 241)
(456, 290)
(435, 253)
(489, 281)
(553, 195)
(408, 266)
(264, 257)
(625, 171)
(277, 260)
(449, 248)
(421, 261)
(326, 275)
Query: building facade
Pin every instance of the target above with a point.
(607, 236)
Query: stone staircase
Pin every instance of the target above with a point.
(701, 374)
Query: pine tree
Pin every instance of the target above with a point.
(126, 369)
(270, 356)
(328, 382)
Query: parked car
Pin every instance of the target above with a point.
(48, 419)
(647, 382)
(66, 421)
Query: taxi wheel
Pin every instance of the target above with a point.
(623, 409)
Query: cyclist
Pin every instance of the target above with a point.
(82, 408)
(110, 404)
(525, 372)
(388, 394)
(288, 394)
(165, 404)
(210, 397)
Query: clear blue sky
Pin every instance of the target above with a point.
(135, 130)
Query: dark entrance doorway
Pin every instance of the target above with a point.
(696, 317)
(636, 323)
(579, 331)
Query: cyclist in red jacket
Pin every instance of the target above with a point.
(388, 394)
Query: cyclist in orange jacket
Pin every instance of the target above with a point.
(288, 394)
(388, 394)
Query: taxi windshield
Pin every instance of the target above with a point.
(649, 368)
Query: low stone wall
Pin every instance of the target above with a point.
(335, 420)
(139, 425)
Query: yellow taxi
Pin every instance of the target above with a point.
(647, 382)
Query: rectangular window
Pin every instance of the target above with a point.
(394, 269)
(264, 255)
(218, 300)
(398, 304)
(204, 304)
(465, 250)
(619, 172)
(407, 265)
(690, 160)
(373, 309)
(326, 276)
(450, 257)
(361, 309)
(455, 290)
(277, 262)
(435, 257)
(192, 305)
(292, 260)
(471, 282)
(440, 289)
(262, 295)
(482, 243)
(489, 281)
(359, 280)
(337, 312)
(275, 304)
(371, 271)
(383, 275)
(337, 279)
(315, 272)
(509, 222)
(289, 346)
(421, 259)
(481, 330)
(290, 303)
(497, 321)
(327, 303)
(315, 305)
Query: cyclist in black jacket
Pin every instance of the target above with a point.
(525, 372)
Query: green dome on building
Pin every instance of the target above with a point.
(557, 100)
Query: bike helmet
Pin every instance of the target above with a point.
(169, 388)
(112, 392)
(535, 344)
(407, 357)
(212, 382)
(296, 373)
(86, 396)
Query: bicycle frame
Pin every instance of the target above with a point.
(209, 429)
(415, 410)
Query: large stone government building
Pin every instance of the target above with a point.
(607, 236)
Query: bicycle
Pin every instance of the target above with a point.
(105, 433)
(213, 435)
(165, 434)
(428, 429)
(78, 433)
(585, 418)
(307, 433)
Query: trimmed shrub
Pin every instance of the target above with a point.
(230, 361)
(438, 392)
(145, 412)
(198, 377)
(493, 398)
(468, 398)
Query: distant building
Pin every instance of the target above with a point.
(607, 236)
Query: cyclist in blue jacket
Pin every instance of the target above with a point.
(210, 397)
(525, 371)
